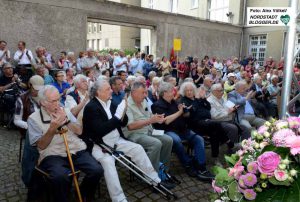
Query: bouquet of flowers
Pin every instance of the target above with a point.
(266, 167)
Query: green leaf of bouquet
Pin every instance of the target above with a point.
(282, 151)
(280, 193)
(276, 182)
(230, 160)
(222, 177)
(233, 192)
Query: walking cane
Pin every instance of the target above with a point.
(63, 132)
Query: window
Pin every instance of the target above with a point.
(89, 28)
(297, 47)
(258, 45)
(151, 4)
(106, 42)
(218, 10)
(194, 4)
(94, 27)
(93, 44)
(99, 28)
(173, 6)
(90, 44)
(98, 44)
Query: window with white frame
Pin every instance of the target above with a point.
(173, 6)
(257, 48)
(99, 28)
(194, 4)
(89, 27)
(151, 4)
(94, 27)
(218, 9)
(297, 47)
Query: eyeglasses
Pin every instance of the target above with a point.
(220, 90)
(59, 75)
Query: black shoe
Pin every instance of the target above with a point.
(167, 184)
(191, 171)
(205, 175)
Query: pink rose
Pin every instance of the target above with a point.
(294, 143)
(281, 175)
(215, 187)
(268, 162)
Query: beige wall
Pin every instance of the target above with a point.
(113, 34)
(128, 36)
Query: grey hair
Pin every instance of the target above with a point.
(152, 74)
(131, 78)
(255, 79)
(40, 66)
(137, 85)
(274, 77)
(140, 78)
(97, 85)
(44, 90)
(216, 86)
(70, 54)
(38, 47)
(188, 80)
(78, 78)
(156, 80)
(240, 83)
(184, 85)
(164, 87)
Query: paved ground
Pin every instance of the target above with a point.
(12, 189)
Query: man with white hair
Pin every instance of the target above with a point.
(220, 111)
(274, 90)
(43, 130)
(79, 97)
(102, 122)
(245, 111)
(90, 61)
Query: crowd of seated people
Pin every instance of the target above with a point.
(143, 106)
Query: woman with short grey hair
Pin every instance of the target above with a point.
(176, 127)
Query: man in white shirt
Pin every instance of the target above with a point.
(120, 63)
(4, 53)
(102, 122)
(23, 56)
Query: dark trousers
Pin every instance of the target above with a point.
(214, 130)
(58, 168)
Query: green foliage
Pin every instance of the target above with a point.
(231, 160)
(130, 52)
(280, 193)
(282, 151)
(233, 192)
(276, 182)
(222, 177)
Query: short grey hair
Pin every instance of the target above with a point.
(240, 83)
(70, 54)
(216, 86)
(42, 93)
(38, 48)
(164, 87)
(97, 85)
(137, 85)
(184, 85)
(156, 80)
(131, 78)
(152, 74)
(140, 78)
(78, 78)
(256, 78)
(274, 77)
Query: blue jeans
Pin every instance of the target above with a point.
(195, 140)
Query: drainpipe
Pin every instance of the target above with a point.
(243, 28)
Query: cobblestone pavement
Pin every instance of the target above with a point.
(12, 188)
